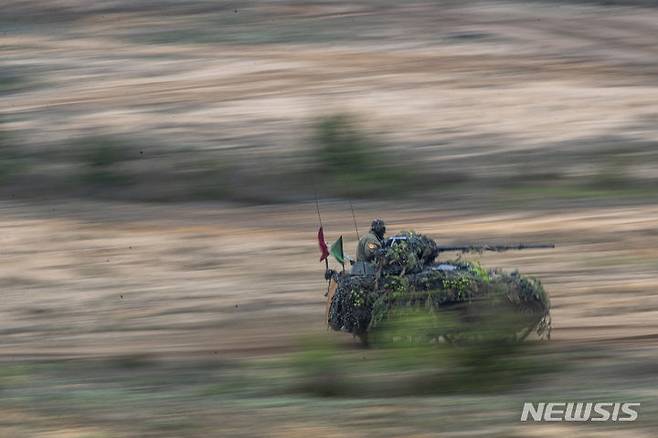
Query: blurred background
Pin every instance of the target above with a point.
(159, 163)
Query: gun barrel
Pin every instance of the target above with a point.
(495, 248)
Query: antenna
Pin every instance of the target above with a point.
(317, 207)
(356, 227)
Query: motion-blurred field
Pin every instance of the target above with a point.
(159, 161)
(514, 101)
(158, 311)
(87, 278)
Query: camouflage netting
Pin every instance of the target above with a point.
(409, 255)
(407, 277)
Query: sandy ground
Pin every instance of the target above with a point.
(463, 86)
(445, 81)
(84, 278)
(452, 82)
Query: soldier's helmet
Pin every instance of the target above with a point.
(378, 227)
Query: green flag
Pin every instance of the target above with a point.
(337, 250)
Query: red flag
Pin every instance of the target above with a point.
(323, 245)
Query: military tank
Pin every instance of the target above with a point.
(407, 277)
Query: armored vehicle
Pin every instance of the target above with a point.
(406, 277)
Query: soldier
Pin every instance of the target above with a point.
(371, 242)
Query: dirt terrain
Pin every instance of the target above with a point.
(445, 81)
(179, 319)
(485, 88)
(127, 319)
(84, 278)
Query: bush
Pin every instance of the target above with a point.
(405, 360)
(101, 160)
(11, 161)
(343, 147)
(486, 363)
(352, 163)
(10, 82)
(320, 369)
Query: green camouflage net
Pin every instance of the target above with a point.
(407, 277)
(410, 254)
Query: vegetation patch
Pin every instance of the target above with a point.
(352, 163)
(102, 159)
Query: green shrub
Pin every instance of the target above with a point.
(11, 161)
(354, 164)
(101, 161)
(320, 368)
(483, 361)
(343, 147)
(10, 82)
(409, 357)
